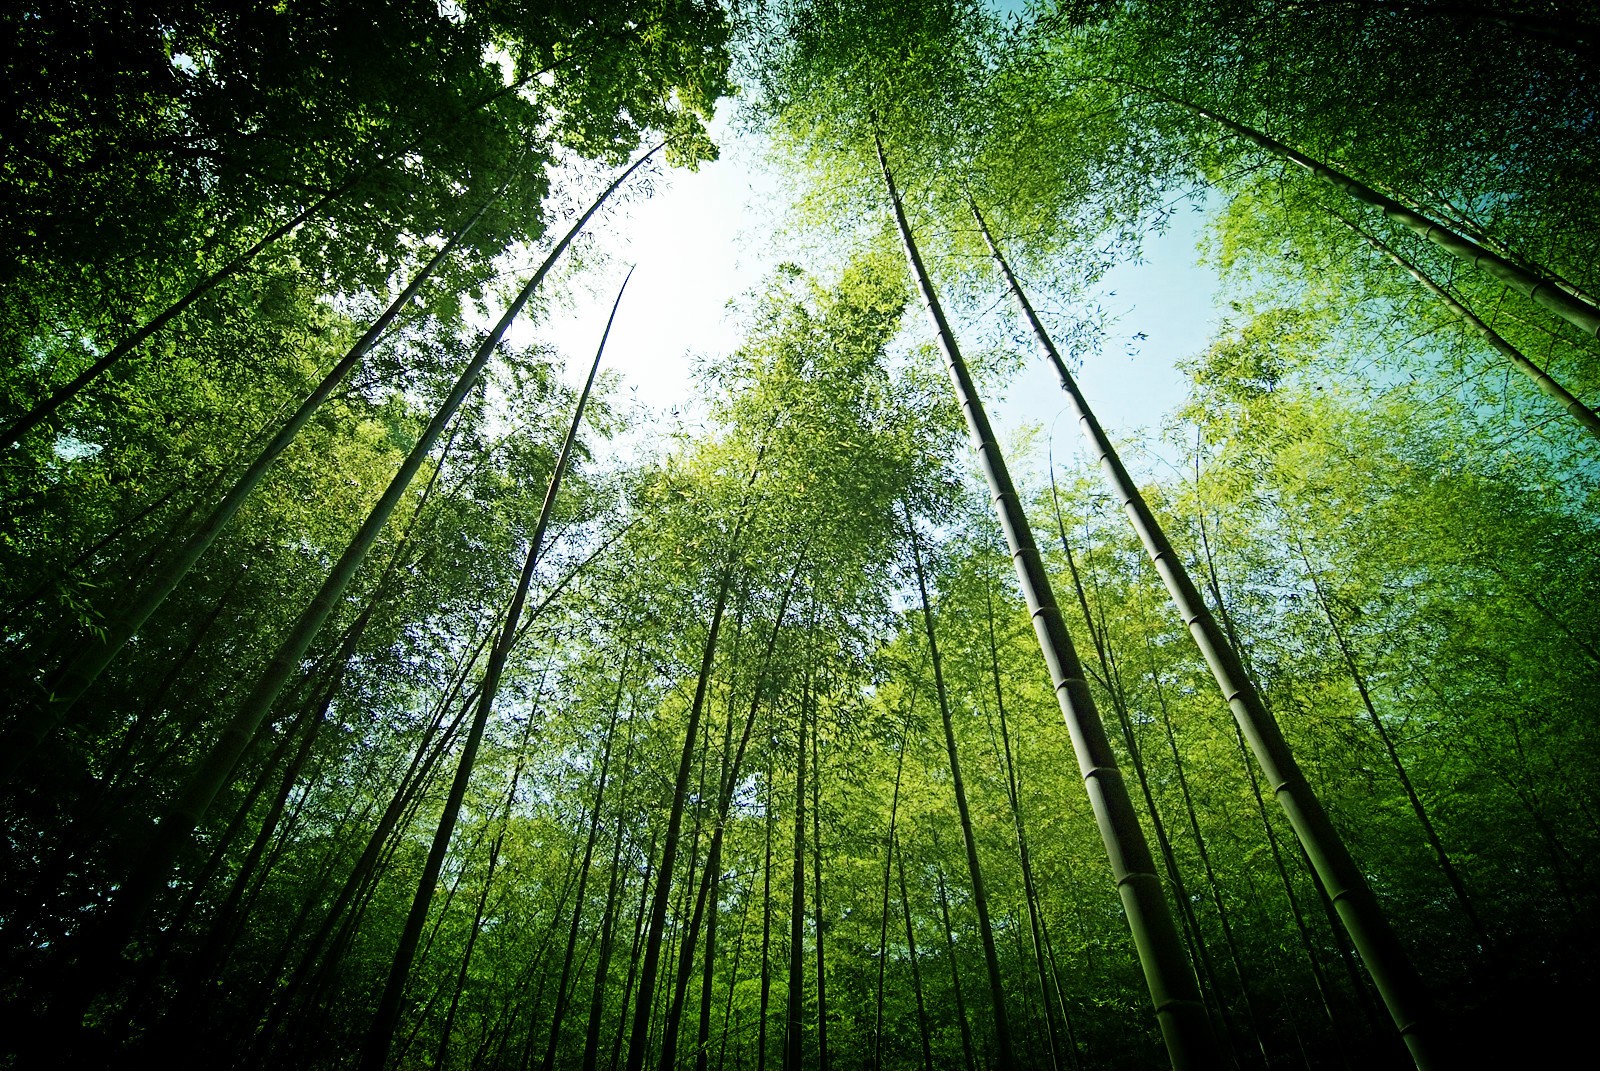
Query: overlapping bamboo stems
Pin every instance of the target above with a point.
(1562, 301)
(1005, 1056)
(818, 919)
(1359, 679)
(911, 955)
(1385, 958)
(1111, 679)
(1341, 938)
(559, 1015)
(47, 408)
(608, 921)
(85, 667)
(136, 896)
(1173, 991)
(649, 961)
(442, 1051)
(794, 1022)
(888, 878)
(726, 783)
(375, 1051)
(1585, 415)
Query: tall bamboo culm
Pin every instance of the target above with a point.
(1173, 990)
(1385, 958)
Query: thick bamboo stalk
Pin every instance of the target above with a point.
(1386, 959)
(1111, 679)
(1173, 991)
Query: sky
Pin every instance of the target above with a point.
(708, 237)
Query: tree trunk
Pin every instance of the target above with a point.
(729, 1025)
(442, 1052)
(712, 883)
(730, 776)
(639, 1037)
(1336, 926)
(633, 953)
(558, 1017)
(322, 951)
(888, 878)
(793, 1031)
(1030, 890)
(1453, 876)
(1201, 953)
(817, 920)
(766, 926)
(591, 1038)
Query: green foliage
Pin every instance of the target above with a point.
(1400, 535)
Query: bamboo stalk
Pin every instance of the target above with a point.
(1386, 959)
(1583, 414)
(1172, 986)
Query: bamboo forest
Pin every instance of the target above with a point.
(396, 677)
